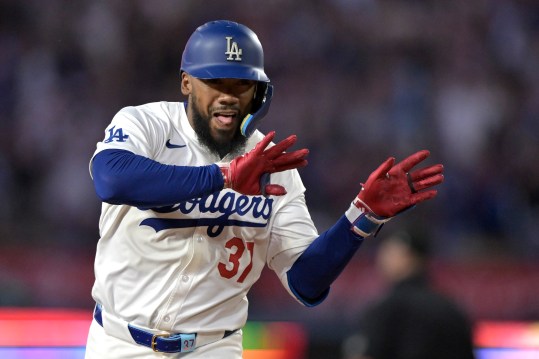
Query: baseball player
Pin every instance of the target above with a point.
(196, 201)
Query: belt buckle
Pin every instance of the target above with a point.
(154, 340)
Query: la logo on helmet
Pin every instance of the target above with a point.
(232, 50)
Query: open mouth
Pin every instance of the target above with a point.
(225, 118)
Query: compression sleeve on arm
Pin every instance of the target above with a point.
(322, 262)
(122, 177)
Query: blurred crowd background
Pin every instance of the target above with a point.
(356, 80)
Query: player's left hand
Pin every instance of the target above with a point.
(391, 189)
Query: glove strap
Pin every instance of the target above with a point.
(364, 221)
(225, 170)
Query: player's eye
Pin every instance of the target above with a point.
(212, 82)
(235, 86)
(246, 83)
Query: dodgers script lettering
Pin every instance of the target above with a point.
(250, 211)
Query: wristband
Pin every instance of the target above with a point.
(364, 221)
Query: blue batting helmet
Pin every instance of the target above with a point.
(226, 49)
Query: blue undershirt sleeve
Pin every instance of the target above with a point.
(322, 262)
(122, 177)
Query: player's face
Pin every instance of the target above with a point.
(222, 103)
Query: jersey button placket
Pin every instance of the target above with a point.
(190, 270)
(181, 290)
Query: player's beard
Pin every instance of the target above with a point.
(235, 146)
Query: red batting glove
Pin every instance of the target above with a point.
(248, 174)
(391, 189)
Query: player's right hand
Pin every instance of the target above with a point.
(249, 173)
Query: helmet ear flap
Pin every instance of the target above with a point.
(259, 96)
(260, 107)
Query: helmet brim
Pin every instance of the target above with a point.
(227, 71)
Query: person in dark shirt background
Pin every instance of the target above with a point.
(413, 320)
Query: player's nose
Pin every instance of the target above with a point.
(228, 97)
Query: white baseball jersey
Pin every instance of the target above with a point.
(188, 267)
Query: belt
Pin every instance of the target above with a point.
(158, 342)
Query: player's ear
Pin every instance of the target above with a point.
(186, 84)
